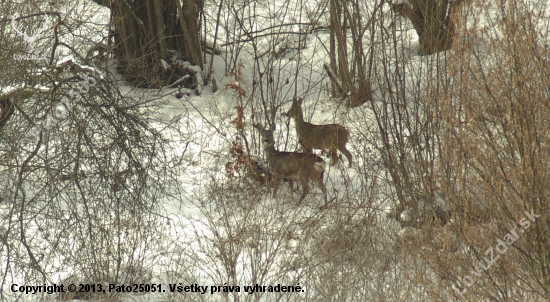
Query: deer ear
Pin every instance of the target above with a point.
(300, 100)
(259, 127)
(273, 127)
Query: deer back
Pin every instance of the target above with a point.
(322, 136)
(316, 136)
(294, 165)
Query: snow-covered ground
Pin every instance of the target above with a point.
(222, 232)
(191, 248)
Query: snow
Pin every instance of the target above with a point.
(164, 64)
(400, 2)
(208, 134)
(65, 61)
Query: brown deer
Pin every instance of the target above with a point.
(292, 166)
(324, 137)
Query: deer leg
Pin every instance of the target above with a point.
(268, 182)
(291, 184)
(277, 179)
(346, 153)
(305, 187)
(307, 149)
(333, 156)
(318, 180)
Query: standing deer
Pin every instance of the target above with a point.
(324, 137)
(292, 166)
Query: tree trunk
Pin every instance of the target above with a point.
(6, 111)
(153, 39)
(347, 72)
(433, 20)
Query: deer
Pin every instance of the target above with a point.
(292, 165)
(324, 137)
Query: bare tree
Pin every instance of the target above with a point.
(349, 69)
(464, 153)
(82, 167)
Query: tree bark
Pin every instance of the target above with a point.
(148, 32)
(433, 20)
(6, 111)
(347, 72)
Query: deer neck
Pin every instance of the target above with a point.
(269, 151)
(299, 120)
